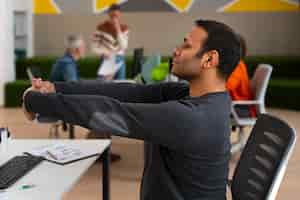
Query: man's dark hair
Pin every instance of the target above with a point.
(222, 39)
(114, 7)
(243, 47)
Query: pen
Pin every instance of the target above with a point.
(24, 187)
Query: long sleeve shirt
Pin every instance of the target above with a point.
(65, 69)
(121, 38)
(187, 138)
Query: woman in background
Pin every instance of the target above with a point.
(112, 39)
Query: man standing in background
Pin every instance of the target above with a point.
(113, 35)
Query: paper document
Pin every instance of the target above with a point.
(62, 153)
(3, 195)
(109, 66)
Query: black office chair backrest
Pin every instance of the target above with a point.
(263, 160)
(138, 58)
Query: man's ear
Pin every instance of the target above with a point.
(211, 59)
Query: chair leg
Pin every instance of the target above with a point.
(53, 131)
(235, 148)
(56, 133)
(71, 131)
(242, 139)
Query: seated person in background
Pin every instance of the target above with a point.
(238, 85)
(185, 127)
(65, 68)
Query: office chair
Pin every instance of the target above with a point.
(259, 84)
(138, 59)
(263, 162)
(145, 76)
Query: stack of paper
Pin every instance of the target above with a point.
(109, 66)
(62, 153)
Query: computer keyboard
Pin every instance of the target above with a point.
(15, 168)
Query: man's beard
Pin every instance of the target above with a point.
(187, 71)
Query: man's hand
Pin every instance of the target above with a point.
(42, 86)
(109, 77)
(94, 36)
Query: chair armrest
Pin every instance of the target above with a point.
(236, 117)
(124, 81)
(247, 102)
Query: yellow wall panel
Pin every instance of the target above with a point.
(181, 5)
(45, 7)
(260, 6)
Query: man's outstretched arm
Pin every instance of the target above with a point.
(124, 92)
(158, 123)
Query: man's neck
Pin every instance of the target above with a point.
(200, 87)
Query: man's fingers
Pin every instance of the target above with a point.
(43, 90)
(36, 82)
(49, 87)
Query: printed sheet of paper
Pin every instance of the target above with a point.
(62, 153)
(109, 66)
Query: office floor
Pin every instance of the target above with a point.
(126, 174)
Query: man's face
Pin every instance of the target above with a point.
(114, 14)
(185, 63)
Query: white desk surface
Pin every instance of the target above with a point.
(51, 180)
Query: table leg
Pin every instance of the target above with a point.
(106, 174)
(71, 131)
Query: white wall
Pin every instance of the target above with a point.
(7, 58)
(7, 68)
(265, 33)
(26, 6)
(21, 5)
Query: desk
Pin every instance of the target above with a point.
(53, 180)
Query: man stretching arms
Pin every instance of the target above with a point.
(186, 127)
